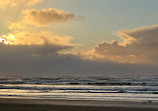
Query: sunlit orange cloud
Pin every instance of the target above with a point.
(43, 38)
(137, 46)
(12, 3)
(42, 17)
(109, 51)
(33, 2)
(17, 25)
(7, 40)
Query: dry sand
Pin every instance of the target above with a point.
(12, 104)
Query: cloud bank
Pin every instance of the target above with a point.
(138, 46)
(135, 55)
(24, 60)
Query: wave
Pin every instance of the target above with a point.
(96, 81)
(83, 88)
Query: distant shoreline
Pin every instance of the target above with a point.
(10, 104)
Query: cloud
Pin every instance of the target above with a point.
(35, 58)
(24, 60)
(138, 46)
(12, 3)
(42, 38)
(8, 3)
(33, 2)
(31, 51)
(22, 51)
(17, 25)
(24, 57)
(42, 18)
(41, 53)
(47, 16)
(28, 44)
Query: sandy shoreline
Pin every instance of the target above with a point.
(14, 104)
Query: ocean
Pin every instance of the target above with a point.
(105, 88)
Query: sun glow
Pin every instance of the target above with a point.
(7, 40)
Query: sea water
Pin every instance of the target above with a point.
(105, 88)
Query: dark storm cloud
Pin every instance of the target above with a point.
(45, 61)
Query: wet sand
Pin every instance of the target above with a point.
(12, 104)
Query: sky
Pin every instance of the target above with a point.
(78, 37)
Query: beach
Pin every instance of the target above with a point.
(18, 104)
